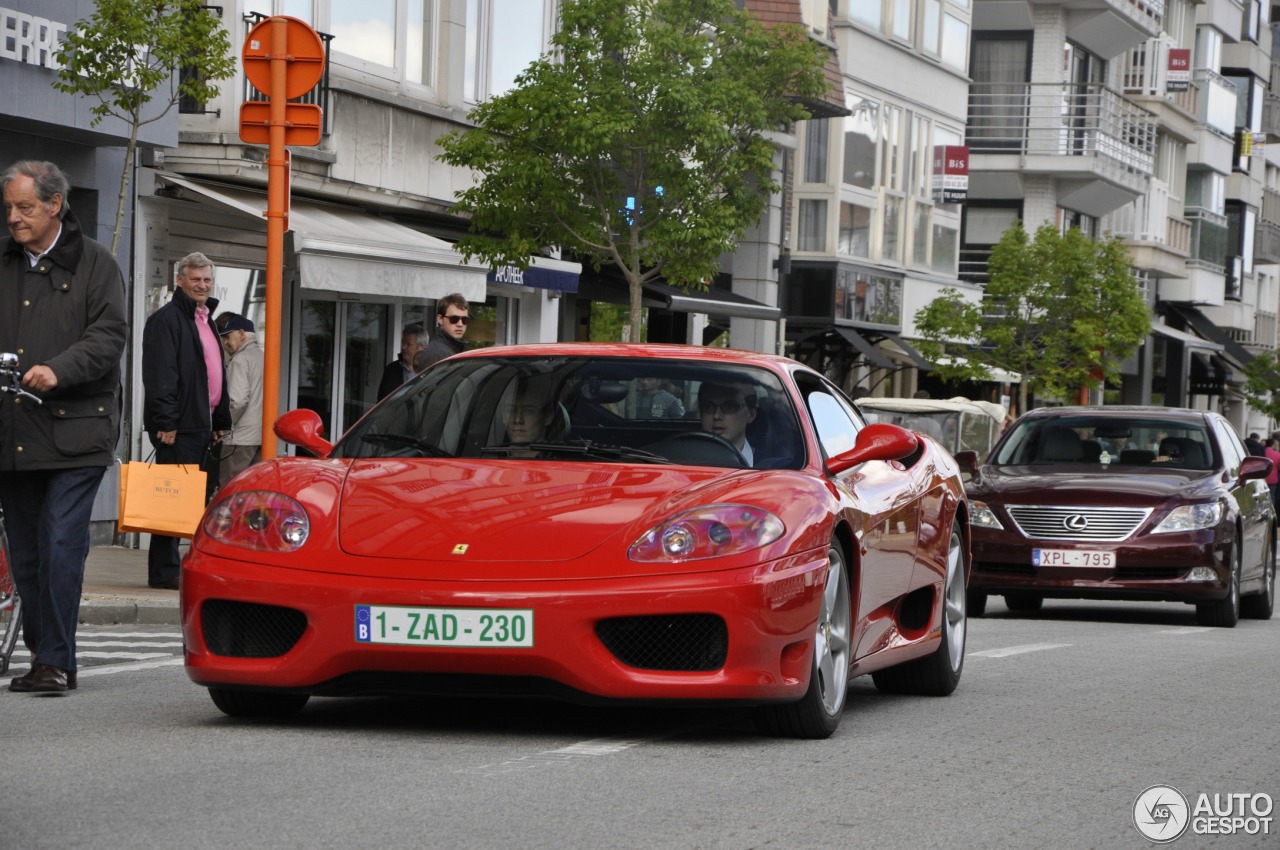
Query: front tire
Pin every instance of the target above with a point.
(938, 674)
(1225, 612)
(976, 603)
(263, 704)
(817, 714)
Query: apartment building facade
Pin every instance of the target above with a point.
(1145, 119)
(871, 237)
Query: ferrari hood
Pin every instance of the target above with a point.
(503, 511)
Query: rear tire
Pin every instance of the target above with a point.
(1260, 606)
(817, 714)
(1023, 603)
(257, 703)
(1224, 613)
(938, 674)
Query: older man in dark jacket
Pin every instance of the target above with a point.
(186, 410)
(62, 311)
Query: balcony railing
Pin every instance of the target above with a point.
(1266, 243)
(1208, 238)
(1056, 119)
(1270, 205)
(1145, 73)
(974, 265)
(1147, 219)
(1216, 105)
(1271, 115)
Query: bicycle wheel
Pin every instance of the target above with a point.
(10, 604)
(10, 626)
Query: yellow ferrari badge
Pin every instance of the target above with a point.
(460, 549)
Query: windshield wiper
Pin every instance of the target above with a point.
(585, 448)
(405, 440)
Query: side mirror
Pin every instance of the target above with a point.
(1255, 466)
(881, 441)
(303, 428)
(967, 461)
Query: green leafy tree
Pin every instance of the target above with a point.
(1262, 384)
(130, 52)
(640, 141)
(1062, 310)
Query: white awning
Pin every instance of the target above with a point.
(1189, 340)
(998, 375)
(344, 249)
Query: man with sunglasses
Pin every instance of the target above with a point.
(726, 411)
(452, 318)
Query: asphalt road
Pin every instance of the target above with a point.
(1061, 720)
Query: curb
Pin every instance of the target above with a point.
(124, 610)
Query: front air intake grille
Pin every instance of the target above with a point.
(249, 630)
(667, 642)
(1041, 522)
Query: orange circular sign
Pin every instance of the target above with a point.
(303, 53)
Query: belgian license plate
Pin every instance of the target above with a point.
(1072, 558)
(480, 627)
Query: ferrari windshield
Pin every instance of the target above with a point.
(635, 410)
(1108, 442)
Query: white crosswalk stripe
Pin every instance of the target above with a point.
(133, 656)
(105, 650)
(154, 644)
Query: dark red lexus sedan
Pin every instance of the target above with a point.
(1144, 503)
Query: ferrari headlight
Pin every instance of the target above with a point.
(708, 532)
(1191, 518)
(982, 516)
(258, 519)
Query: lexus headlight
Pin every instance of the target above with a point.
(981, 516)
(1191, 518)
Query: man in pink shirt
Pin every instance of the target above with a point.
(186, 409)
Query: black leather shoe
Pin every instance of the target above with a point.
(22, 684)
(47, 679)
(167, 584)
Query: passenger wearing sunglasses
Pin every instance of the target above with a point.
(726, 411)
(452, 318)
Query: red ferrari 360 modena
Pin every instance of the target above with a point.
(591, 522)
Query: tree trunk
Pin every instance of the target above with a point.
(634, 275)
(129, 152)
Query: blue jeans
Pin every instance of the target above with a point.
(46, 515)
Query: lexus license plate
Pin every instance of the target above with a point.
(480, 627)
(1072, 558)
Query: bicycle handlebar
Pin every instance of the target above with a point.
(11, 377)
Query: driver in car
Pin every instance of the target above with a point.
(726, 411)
(527, 417)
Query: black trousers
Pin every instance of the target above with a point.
(188, 447)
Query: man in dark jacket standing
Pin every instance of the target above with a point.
(453, 314)
(186, 409)
(62, 311)
(401, 369)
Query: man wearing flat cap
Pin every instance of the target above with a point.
(243, 446)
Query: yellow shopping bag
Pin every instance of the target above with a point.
(161, 498)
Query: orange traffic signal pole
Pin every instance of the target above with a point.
(283, 58)
(277, 210)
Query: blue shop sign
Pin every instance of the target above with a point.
(536, 277)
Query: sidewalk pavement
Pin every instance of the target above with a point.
(116, 591)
